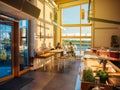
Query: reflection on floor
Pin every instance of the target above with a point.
(64, 79)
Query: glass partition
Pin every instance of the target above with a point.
(5, 49)
(24, 59)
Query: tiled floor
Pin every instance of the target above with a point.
(65, 79)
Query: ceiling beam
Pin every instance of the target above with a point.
(62, 1)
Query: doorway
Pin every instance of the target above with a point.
(14, 56)
(6, 48)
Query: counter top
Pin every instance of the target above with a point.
(90, 61)
(94, 65)
(44, 55)
(57, 51)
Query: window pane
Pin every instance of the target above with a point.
(86, 43)
(5, 50)
(86, 31)
(75, 42)
(71, 15)
(24, 60)
(71, 31)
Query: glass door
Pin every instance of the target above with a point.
(5, 49)
(23, 47)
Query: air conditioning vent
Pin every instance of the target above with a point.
(31, 9)
(14, 3)
(21, 9)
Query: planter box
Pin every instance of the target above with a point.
(90, 85)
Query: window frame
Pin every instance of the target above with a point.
(75, 25)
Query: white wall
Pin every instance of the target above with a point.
(109, 10)
(46, 29)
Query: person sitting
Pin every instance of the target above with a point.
(71, 49)
(58, 46)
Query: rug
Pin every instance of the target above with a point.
(16, 83)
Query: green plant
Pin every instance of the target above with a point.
(88, 75)
(103, 75)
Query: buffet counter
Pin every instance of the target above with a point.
(111, 58)
(103, 60)
(94, 62)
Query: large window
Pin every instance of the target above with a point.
(77, 29)
(71, 15)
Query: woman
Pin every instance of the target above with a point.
(58, 46)
(71, 49)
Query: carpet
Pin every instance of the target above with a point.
(16, 83)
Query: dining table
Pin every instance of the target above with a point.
(45, 57)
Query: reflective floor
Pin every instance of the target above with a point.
(64, 79)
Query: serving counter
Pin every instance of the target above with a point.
(93, 62)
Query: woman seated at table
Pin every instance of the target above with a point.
(71, 49)
(58, 46)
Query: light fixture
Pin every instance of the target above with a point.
(56, 24)
(82, 13)
(53, 4)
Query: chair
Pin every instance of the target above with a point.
(62, 61)
(114, 41)
(78, 57)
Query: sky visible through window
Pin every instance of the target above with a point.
(75, 19)
(72, 15)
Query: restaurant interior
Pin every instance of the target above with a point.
(73, 42)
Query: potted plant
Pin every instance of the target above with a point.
(103, 75)
(88, 75)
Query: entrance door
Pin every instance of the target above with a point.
(14, 60)
(6, 51)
